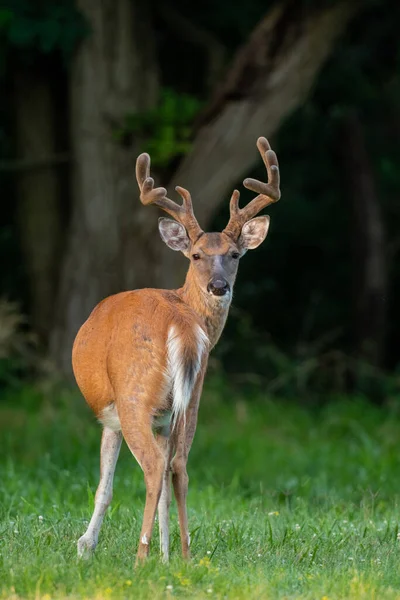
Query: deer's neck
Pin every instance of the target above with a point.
(212, 310)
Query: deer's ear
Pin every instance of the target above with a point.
(173, 234)
(253, 233)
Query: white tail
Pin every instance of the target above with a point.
(184, 365)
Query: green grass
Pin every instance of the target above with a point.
(284, 502)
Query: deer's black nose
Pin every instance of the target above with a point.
(218, 286)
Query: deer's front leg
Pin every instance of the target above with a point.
(185, 430)
(165, 498)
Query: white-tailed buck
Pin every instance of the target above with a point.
(141, 356)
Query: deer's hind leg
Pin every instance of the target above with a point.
(136, 424)
(110, 447)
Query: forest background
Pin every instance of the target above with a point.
(86, 87)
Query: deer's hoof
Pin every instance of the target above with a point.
(86, 547)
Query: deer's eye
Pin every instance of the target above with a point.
(235, 254)
(196, 256)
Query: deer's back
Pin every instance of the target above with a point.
(125, 336)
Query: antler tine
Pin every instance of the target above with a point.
(267, 192)
(158, 196)
(191, 223)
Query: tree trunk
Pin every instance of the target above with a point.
(38, 194)
(270, 77)
(112, 243)
(368, 245)
(113, 74)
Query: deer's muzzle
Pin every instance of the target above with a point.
(218, 286)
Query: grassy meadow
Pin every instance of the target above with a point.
(284, 502)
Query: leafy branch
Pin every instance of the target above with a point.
(167, 128)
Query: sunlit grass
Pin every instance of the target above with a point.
(285, 502)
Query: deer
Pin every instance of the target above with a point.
(141, 356)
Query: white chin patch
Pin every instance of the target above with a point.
(223, 299)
